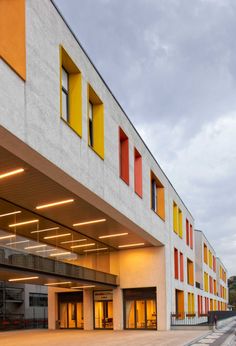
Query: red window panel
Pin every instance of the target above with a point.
(191, 236)
(138, 177)
(214, 264)
(218, 306)
(206, 305)
(187, 232)
(210, 284)
(199, 305)
(181, 264)
(124, 156)
(176, 264)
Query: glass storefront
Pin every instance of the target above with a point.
(71, 310)
(140, 308)
(103, 310)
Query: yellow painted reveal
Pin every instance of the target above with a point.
(175, 217)
(75, 91)
(206, 282)
(180, 219)
(98, 122)
(191, 303)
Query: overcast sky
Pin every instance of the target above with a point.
(172, 66)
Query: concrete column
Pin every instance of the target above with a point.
(88, 309)
(52, 308)
(118, 321)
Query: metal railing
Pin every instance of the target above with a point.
(188, 319)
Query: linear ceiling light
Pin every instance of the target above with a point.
(57, 236)
(18, 242)
(23, 223)
(60, 254)
(88, 286)
(130, 245)
(34, 247)
(12, 213)
(54, 204)
(7, 174)
(89, 222)
(72, 241)
(45, 230)
(84, 245)
(8, 236)
(58, 283)
(23, 279)
(99, 249)
(46, 250)
(112, 235)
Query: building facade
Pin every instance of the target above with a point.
(85, 208)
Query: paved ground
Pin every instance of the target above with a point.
(98, 338)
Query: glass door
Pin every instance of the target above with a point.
(63, 315)
(140, 314)
(71, 315)
(103, 314)
(151, 314)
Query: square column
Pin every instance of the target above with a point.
(88, 309)
(118, 320)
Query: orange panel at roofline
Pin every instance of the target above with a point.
(12, 35)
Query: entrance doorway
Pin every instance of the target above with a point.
(103, 310)
(71, 310)
(140, 308)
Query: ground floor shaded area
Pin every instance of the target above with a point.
(98, 338)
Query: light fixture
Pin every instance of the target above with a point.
(23, 223)
(45, 230)
(99, 249)
(18, 242)
(24, 279)
(7, 174)
(80, 287)
(130, 245)
(34, 247)
(72, 241)
(57, 236)
(8, 236)
(46, 250)
(12, 213)
(112, 235)
(84, 245)
(89, 222)
(58, 283)
(60, 254)
(54, 204)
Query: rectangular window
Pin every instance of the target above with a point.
(191, 303)
(124, 156)
(210, 259)
(191, 236)
(180, 218)
(199, 301)
(157, 196)
(215, 290)
(176, 264)
(205, 281)
(175, 218)
(187, 232)
(206, 305)
(70, 92)
(138, 177)
(38, 299)
(181, 264)
(210, 285)
(95, 122)
(190, 272)
(205, 254)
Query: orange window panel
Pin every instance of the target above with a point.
(191, 236)
(157, 196)
(176, 264)
(205, 254)
(181, 265)
(190, 272)
(138, 176)
(187, 232)
(199, 300)
(124, 156)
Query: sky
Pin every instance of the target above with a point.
(172, 66)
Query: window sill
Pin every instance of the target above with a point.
(68, 124)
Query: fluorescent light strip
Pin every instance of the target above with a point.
(99, 249)
(57, 236)
(58, 283)
(112, 235)
(12, 213)
(18, 242)
(130, 245)
(47, 250)
(54, 204)
(89, 222)
(7, 174)
(45, 230)
(34, 247)
(23, 223)
(84, 245)
(60, 254)
(24, 279)
(80, 287)
(8, 236)
(72, 241)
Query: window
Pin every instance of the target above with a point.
(205, 282)
(38, 299)
(210, 284)
(177, 220)
(176, 264)
(138, 188)
(157, 196)
(190, 303)
(180, 223)
(214, 263)
(95, 122)
(187, 232)
(205, 254)
(215, 290)
(70, 93)
(124, 156)
(199, 300)
(181, 264)
(190, 272)
(191, 237)
(210, 259)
